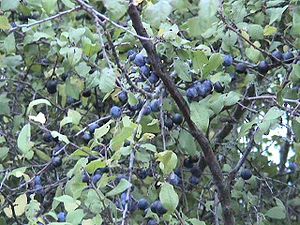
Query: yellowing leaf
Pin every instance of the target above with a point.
(19, 206)
(40, 118)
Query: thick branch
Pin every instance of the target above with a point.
(223, 192)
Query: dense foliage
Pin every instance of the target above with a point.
(94, 130)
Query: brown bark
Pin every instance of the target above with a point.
(214, 166)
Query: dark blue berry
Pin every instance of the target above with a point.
(152, 222)
(86, 137)
(177, 118)
(241, 68)
(155, 105)
(158, 208)
(228, 60)
(146, 110)
(61, 217)
(139, 60)
(278, 55)
(195, 171)
(47, 137)
(131, 55)
(263, 67)
(116, 112)
(191, 93)
(288, 57)
(56, 161)
(174, 179)
(143, 204)
(153, 78)
(145, 70)
(194, 180)
(218, 87)
(123, 97)
(246, 174)
(93, 127)
(96, 178)
(168, 122)
(208, 86)
(187, 163)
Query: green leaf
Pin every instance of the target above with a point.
(4, 23)
(122, 186)
(9, 4)
(82, 69)
(168, 161)
(10, 44)
(276, 212)
(256, 31)
(4, 107)
(182, 69)
(168, 197)
(187, 143)
(61, 137)
(161, 10)
(24, 143)
(276, 13)
(200, 115)
(273, 113)
(231, 98)
(3, 153)
(107, 80)
(68, 3)
(49, 6)
(215, 61)
(199, 60)
(70, 203)
(269, 30)
(116, 8)
(37, 102)
(94, 165)
(73, 117)
(195, 221)
(101, 131)
(75, 216)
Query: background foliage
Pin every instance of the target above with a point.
(52, 155)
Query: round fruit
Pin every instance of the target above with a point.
(56, 161)
(85, 177)
(177, 118)
(152, 222)
(158, 208)
(153, 78)
(86, 93)
(174, 179)
(278, 55)
(61, 217)
(208, 86)
(191, 93)
(123, 97)
(86, 137)
(201, 90)
(288, 57)
(187, 163)
(142, 174)
(246, 174)
(51, 86)
(228, 60)
(155, 105)
(37, 180)
(194, 180)
(139, 60)
(218, 87)
(93, 127)
(96, 178)
(47, 137)
(147, 110)
(143, 204)
(263, 67)
(131, 55)
(145, 70)
(38, 189)
(116, 112)
(241, 68)
(195, 171)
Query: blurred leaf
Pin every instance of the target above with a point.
(24, 143)
(168, 161)
(122, 186)
(182, 70)
(168, 197)
(200, 115)
(276, 212)
(70, 203)
(161, 10)
(37, 102)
